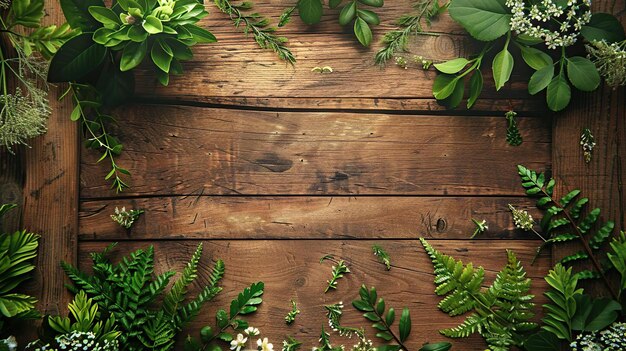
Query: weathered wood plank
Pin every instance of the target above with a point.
(193, 217)
(291, 269)
(186, 150)
(236, 71)
(51, 169)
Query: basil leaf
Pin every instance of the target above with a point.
(452, 66)
(347, 14)
(374, 3)
(369, 16)
(540, 79)
(75, 59)
(132, 55)
(559, 93)
(502, 68)
(363, 32)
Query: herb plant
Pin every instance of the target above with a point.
(513, 136)
(87, 328)
(291, 344)
(130, 291)
(338, 271)
(375, 311)
(291, 315)
(98, 62)
(17, 252)
(245, 303)
(258, 26)
(397, 40)
(24, 106)
(311, 11)
(501, 314)
(536, 30)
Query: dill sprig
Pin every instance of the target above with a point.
(408, 24)
(259, 26)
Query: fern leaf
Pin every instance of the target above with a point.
(472, 324)
(601, 235)
(247, 300)
(589, 221)
(561, 310)
(217, 273)
(565, 200)
(579, 256)
(576, 209)
(587, 274)
(617, 257)
(177, 293)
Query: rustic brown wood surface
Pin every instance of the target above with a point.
(235, 71)
(291, 270)
(190, 150)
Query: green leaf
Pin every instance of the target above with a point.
(485, 20)
(436, 346)
(369, 16)
(76, 113)
(452, 66)
(603, 26)
(444, 86)
(502, 68)
(333, 4)
(363, 32)
(601, 235)
(78, 57)
(542, 341)
(565, 200)
(594, 314)
(132, 55)
(77, 14)
(105, 16)
(405, 324)
(348, 13)
(200, 35)
(583, 73)
(476, 87)
(540, 79)
(390, 317)
(310, 11)
(152, 25)
(455, 98)
(559, 93)
(373, 3)
(535, 58)
(362, 306)
(161, 55)
(115, 86)
(385, 336)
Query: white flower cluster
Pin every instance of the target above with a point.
(239, 343)
(522, 219)
(80, 341)
(611, 339)
(610, 59)
(556, 24)
(364, 345)
(126, 218)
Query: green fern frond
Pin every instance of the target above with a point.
(560, 312)
(501, 314)
(177, 293)
(217, 273)
(617, 256)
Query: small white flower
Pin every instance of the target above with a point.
(252, 331)
(238, 343)
(264, 345)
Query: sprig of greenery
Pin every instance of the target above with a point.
(324, 343)
(562, 309)
(501, 314)
(291, 315)
(291, 344)
(94, 123)
(338, 271)
(513, 136)
(479, 227)
(424, 11)
(374, 309)
(587, 143)
(564, 222)
(126, 218)
(245, 303)
(334, 313)
(129, 291)
(382, 255)
(258, 26)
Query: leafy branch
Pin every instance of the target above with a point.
(258, 25)
(338, 271)
(291, 315)
(374, 309)
(408, 25)
(567, 213)
(382, 255)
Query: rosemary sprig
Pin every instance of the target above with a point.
(408, 24)
(94, 127)
(291, 344)
(291, 316)
(382, 255)
(259, 26)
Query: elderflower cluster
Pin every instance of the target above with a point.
(610, 59)
(557, 25)
(80, 341)
(611, 339)
(522, 219)
(588, 143)
(364, 345)
(239, 342)
(125, 218)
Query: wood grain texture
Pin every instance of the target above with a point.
(193, 217)
(291, 269)
(236, 71)
(193, 151)
(604, 113)
(51, 168)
